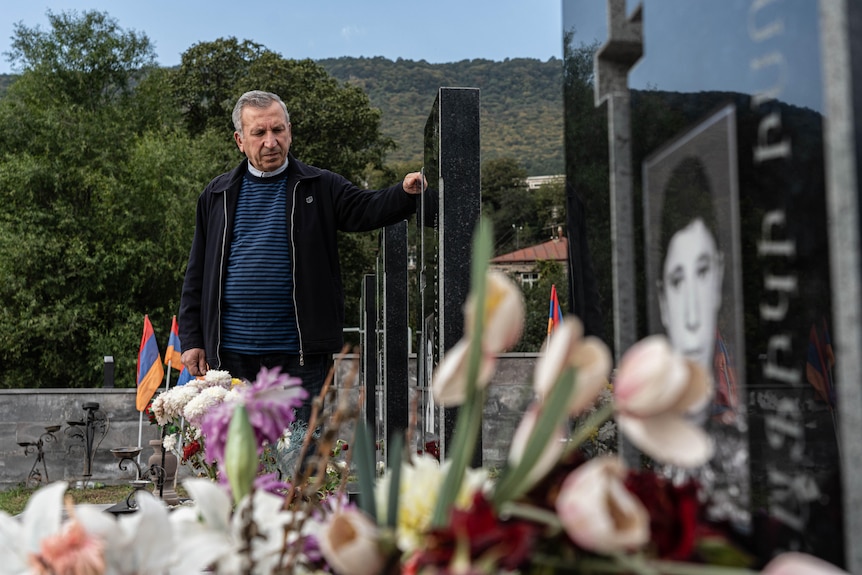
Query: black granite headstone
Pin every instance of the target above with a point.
(731, 238)
(452, 168)
(393, 254)
(368, 342)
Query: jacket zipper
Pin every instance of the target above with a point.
(221, 276)
(293, 273)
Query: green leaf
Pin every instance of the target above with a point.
(240, 454)
(365, 469)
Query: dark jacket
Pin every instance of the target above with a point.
(319, 203)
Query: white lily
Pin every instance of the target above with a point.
(127, 541)
(21, 537)
(656, 390)
(130, 539)
(215, 532)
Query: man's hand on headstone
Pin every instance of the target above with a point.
(414, 183)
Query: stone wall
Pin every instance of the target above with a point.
(26, 413)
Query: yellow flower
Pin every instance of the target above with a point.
(421, 480)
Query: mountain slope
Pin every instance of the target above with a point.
(520, 99)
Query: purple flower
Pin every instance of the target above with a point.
(270, 483)
(269, 401)
(214, 426)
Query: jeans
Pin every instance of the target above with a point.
(313, 373)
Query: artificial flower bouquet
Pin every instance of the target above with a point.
(552, 509)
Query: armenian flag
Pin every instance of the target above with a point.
(821, 361)
(555, 316)
(173, 355)
(150, 368)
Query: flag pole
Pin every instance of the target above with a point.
(168, 377)
(140, 430)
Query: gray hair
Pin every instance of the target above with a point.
(255, 99)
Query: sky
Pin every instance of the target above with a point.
(438, 31)
(702, 45)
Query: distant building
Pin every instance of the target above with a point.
(522, 264)
(536, 182)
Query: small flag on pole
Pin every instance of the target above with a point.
(173, 355)
(555, 316)
(150, 368)
(821, 362)
(184, 377)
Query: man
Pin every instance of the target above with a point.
(263, 282)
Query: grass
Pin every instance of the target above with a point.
(13, 500)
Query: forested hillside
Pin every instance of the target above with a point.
(5, 81)
(521, 104)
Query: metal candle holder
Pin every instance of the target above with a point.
(143, 477)
(48, 436)
(94, 424)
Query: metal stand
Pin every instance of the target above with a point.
(95, 423)
(153, 474)
(35, 474)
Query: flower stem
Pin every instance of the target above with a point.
(531, 513)
(469, 422)
(593, 422)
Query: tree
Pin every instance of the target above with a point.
(205, 84)
(84, 60)
(508, 204)
(98, 189)
(98, 194)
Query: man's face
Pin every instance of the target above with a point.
(691, 291)
(265, 138)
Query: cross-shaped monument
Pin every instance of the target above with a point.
(613, 61)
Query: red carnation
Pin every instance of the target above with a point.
(673, 512)
(190, 449)
(509, 542)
